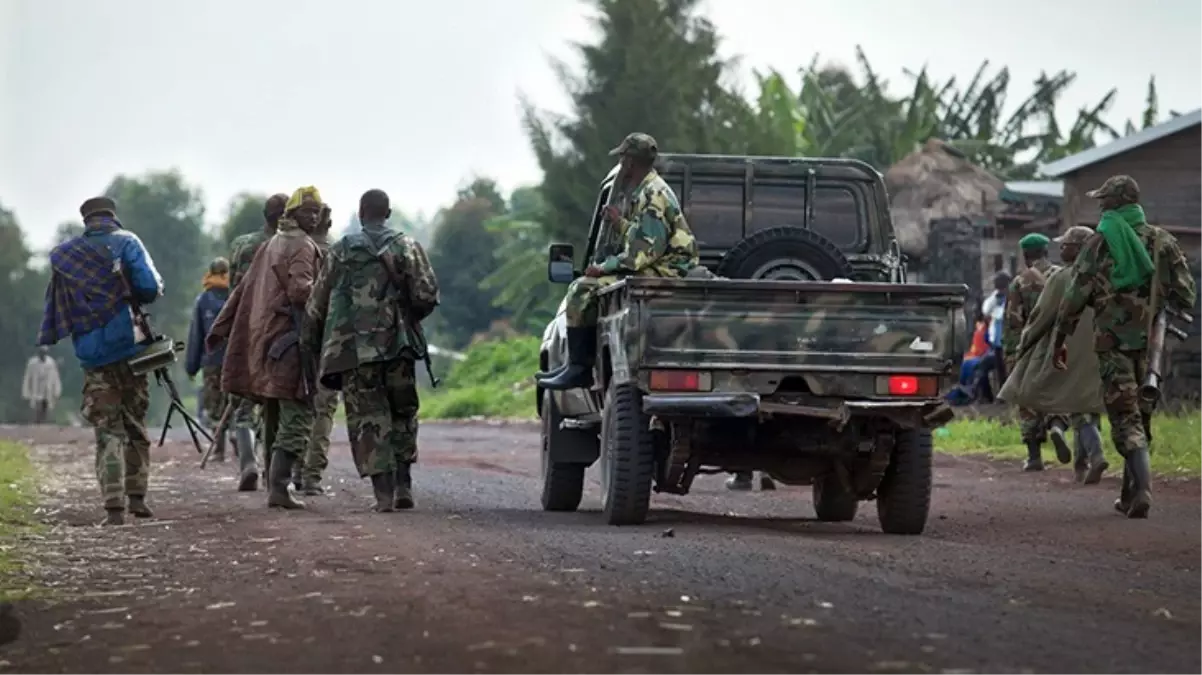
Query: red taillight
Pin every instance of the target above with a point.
(903, 385)
(675, 380)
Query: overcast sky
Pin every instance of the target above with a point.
(414, 97)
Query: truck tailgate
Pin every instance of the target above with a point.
(795, 325)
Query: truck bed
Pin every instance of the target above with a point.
(792, 326)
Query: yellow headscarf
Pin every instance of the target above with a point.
(302, 195)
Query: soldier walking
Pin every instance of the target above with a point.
(307, 473)
(1114, 275)
(216, 284)
(265, 358)
(97, 281)
(376, 285)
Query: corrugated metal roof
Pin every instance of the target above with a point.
(1045, 188)
(1119, 146)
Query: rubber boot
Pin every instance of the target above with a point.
(219, 449)
(1034, 461)
(740, 482)
(114, 516)
(278, 474)
(582, 347)
(1123, 503)
(1080, 458)
(298, 482)
(1060, 443)
(248, 469)
(384, 486)
(1141, 484)
(403, 486)
(138, 507)
(1091, 440)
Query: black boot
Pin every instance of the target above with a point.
(1123, 503)
(1091, 440)
(248, 469)
(1034, 461)
(1060, 443)
(403, 485)
(278, 474)
(138, 507)
(384, 485)
(582, 348)
(1141, 484)
(114, 516)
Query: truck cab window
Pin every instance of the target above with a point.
(715, 213)
(837, 217)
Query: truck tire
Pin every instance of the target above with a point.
(904, 496)
(563, 482)
(627, 457)
(833, 503)
(785, 253)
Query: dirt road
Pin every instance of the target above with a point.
(1016, 573)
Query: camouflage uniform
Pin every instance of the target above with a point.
(115, 402)
(214, 399)
(657, 242)
(354, 320)
(1123, 315)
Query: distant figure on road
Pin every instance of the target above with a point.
(1115, 274)
(41, 385)
(216, 285)
(1034, 383)
(93, 279)
(372, 284)
(260, 326)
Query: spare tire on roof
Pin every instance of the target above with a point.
(785, 254)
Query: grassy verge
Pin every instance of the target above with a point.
(1176, 450)
(495, 380)
(18, 497)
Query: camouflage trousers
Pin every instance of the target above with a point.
(211, 395)
(381, 415)
(1130, 424)
(286, 427)
(581, 307)
(317, 456)
(115, 402)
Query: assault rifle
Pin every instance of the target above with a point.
(412, 327)
(1149, 389)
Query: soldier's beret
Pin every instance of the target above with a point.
(1033, 241)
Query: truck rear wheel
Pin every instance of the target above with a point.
(627, 457)
(563, 482)
(786, 254)
(904, 496)
(834, 503)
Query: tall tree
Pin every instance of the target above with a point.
(654, 69)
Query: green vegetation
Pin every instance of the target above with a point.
(495, 380)
(17, 499)
(1176, 450)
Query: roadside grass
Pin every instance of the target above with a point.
(1176, 446)
(18, 497)
(495, 380)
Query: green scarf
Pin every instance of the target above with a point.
(1132, 264)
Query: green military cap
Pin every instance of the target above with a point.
(97, 205)
(1033, 241)
(1120, 187)
(637, 145)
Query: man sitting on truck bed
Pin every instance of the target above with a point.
(658, 243)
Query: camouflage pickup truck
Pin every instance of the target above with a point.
(804, 354)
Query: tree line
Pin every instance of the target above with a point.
(653, 67)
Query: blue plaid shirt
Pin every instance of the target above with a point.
(86, 289)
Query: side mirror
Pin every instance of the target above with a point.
(560, 265)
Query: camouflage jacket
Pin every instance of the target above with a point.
(1020, 300)
(356, 315)
(242, 252)
(657, 240)
(1122, 318)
